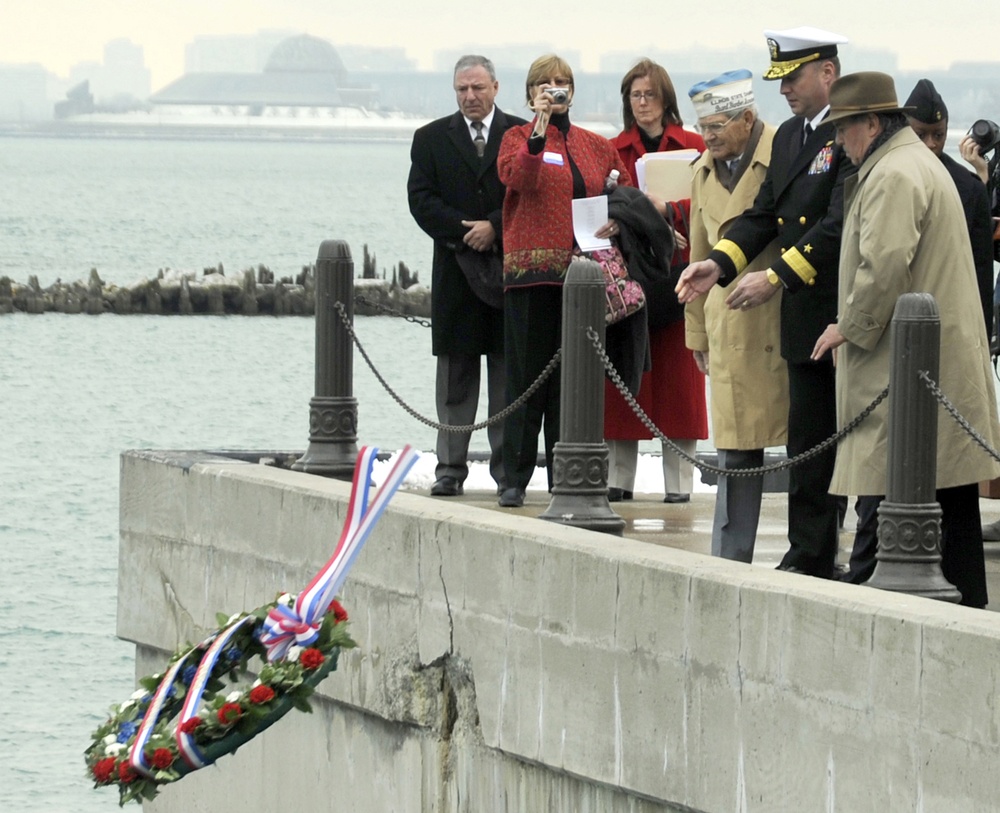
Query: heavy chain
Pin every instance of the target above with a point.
(951, 410)
(473, 427)
(392, 311)
(754, 472)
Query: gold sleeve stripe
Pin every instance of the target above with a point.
(800, 265)
(733, 252)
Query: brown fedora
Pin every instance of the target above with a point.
(865, 92)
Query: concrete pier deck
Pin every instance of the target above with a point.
(688, 526)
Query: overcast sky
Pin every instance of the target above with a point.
(926, 34)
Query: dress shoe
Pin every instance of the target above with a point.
(791, 569)
(991, 532)
(673, 498)
(512, 498)
(618, 494)
(447, 487)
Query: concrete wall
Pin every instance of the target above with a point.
(514, 665)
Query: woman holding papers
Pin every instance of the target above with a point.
(673, 393)
(544, 165)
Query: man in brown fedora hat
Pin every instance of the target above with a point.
(904, 231)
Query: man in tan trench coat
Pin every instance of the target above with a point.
(904, 231)
(739, 350)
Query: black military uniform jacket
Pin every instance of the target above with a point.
(801, 202)
(976, 203)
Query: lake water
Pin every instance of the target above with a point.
(75, 391)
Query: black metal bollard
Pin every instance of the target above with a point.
(580, 458)
(909, 518)
(333, 411)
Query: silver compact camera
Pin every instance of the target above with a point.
(559, 95)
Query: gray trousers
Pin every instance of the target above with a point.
(737, 506)
(623, 459)
(457, 396)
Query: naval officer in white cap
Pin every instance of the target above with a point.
(800, 204)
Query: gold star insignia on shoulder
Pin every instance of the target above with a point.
(807, 248)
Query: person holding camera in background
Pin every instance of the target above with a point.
(544, 165)
(982, 138)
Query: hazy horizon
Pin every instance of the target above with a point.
(59, 34)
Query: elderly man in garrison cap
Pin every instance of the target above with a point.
(904, 231)
(800, 206)
(737, 349)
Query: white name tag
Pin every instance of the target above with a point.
(552, 158)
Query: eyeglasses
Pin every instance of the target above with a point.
(642, 95)
(715, 127)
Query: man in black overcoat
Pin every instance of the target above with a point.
(456, 197)
(801, 203)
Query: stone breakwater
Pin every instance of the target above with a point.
(251, 293)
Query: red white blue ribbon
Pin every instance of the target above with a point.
(192, 700)
(300, 625)
(137, 757)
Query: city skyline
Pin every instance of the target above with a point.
(59, 34)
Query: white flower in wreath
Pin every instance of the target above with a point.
(233, 618)
(234, 697)
(292, 655)
(110, 739)
(114, 749)
(140, 694)
(287, 599)
(126, 706)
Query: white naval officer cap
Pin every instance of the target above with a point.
(794, 47)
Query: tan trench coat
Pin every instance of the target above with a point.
(905, 231)
(748, 378)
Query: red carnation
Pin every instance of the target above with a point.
(230, 713)
(339, 613)
(188, 726)
(104, 769)
(162, 758)
(261, 694)
(311, 658)
(125, 773)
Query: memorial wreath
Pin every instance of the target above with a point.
(199, 709)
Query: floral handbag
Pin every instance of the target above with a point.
(624, 295)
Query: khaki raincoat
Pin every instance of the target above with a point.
(905, 232)
(748, 378)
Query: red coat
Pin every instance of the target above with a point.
(673, 392)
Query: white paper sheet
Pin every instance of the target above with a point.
(589, 214)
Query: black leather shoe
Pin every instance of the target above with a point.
(618, 494)
(791, 569)
(447, 487)
(512, 498)
(674, 498)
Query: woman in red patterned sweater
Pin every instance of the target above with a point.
(544, 165)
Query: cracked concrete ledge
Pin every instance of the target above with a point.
(510, 664)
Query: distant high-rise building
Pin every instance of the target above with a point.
(122, 78)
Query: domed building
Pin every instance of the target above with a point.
(301, 72)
